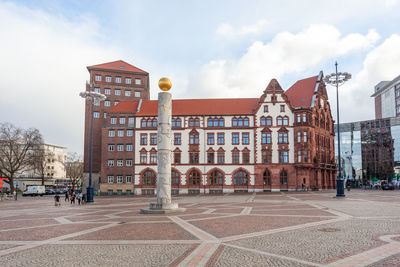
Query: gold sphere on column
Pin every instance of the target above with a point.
(164, 84)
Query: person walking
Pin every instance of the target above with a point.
(57, 200)
(79, 198)
(66, 196)
(73, 198)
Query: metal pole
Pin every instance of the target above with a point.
(89, 189)
(339, 181)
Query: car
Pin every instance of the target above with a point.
(35, 190)
(388, 186)
(50, 191)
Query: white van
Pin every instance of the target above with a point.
(34, 190)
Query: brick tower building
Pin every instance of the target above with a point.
(119, 81)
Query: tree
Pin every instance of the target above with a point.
(74, 168)
(16, 150)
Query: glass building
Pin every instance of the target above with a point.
(370, 149)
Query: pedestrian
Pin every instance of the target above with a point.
(83, 199)
(302, 187)
(73, 198)
(66, 196)
(79, 198)
(57, 200)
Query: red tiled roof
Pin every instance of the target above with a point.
(301, 93)
(224, 106)
(117, 65)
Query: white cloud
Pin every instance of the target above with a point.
(286, 53)
(42, 70)
(226, 30)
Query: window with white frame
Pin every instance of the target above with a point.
(118, 79)
(120, 133)
(127, 92)
(116, 102)
(122, 120)
(117, 92)
(111, 148)
(98, 78)
(111, 133)
(129, 132)
(96, 102)
(108, 79)
(107, 91)
(298, 137)
(96, 114)
(120, 147)
(304, 117)
(119, 179)
(113, 120)
(105, 115)
(107, 103)
(137, 93)
(138, 81)
(97, 89)
(131, 120)
(128, 179)
(128, 80)
(128, 163)
(305, 137)
(120, 163)
(110, 163)
(110, 179)
(298, 118)
(129, 147)
(298, 156)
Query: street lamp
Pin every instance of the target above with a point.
(337, 79)
(92, 97)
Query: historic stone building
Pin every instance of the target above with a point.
(273, 143)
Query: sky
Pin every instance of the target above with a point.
(208, 49)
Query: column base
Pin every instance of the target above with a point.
(155, 208)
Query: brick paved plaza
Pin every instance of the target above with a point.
(275, 229)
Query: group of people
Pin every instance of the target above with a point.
(71, 196)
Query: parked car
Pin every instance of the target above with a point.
(50, 191)
(388, 186)
(34, 190)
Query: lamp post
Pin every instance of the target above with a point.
(92, 97)
(337, 79)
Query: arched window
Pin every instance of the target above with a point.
(263, 121)
(234, 122)
(149, 178)
(178, 123)
(269, 121)
(240, 122)
(221, 122)
(210, 122)
(267, 177)
(149, 123)
(285, 121)
(216, 178)
(154, 124)
(173, 122)
(191, 122)
(241, 178)
(197, 122)
(279, 121)
(246, 121)
(194, 178)
(175, 177)
(143, 123)
(283, 177)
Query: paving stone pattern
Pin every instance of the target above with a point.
(263, 229)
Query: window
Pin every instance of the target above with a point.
(138, 81)
(266, 138)
(298, 137)
(235, 139)
(221, 122)
(143, 157)
(283, 177)
(194, 139)
(96, 115)
(269, 121)
(235, 157)
(178, 123)
(305, 156)
(265, 108)
(267, 177)
(153, 157)
(120, 133)
(143, 139)
(120, 163)
(110, 179)
(221, 157)
(108, 79)
(177, 139)
(282, 138)
(175, 177)
(154, 123)
(283, 157)
(246, 122)
(113, 120)
(298, 156)
(234, 122)
(194, 157)
(221, 138)
(107, 91)
(216, 178)
(129, 132)
(149, 178)
(128, 80)
(285, 121)
(263, 121)
(210, 139)
(305, 137)
(240, 178)
(107, 103)
(129, 147)
(143, 123)
(111, 133)
(118, 79)
(137, 93)
(97, 90)
(246, 157)
(282, 108)
(128, 179)
(111, 148)
(117, 92)
(245, 138)
(128, 163)
(127, 92)
(110, 163)
(266, 156)
(105, 115)
(116, 102)
(120, 147)
(191, 122)
(131, 120)
(210, 157)
(98, 78)
(197, 122)
(96, 102)
(298, 118)
(304, 117)
(153, 139)
(279, 121)
(194, 178)
(177, 157)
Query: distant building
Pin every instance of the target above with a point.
(387, 99)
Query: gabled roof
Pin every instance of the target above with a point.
(223, 106)
(301, 93)
(119, 65)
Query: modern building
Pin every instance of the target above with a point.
(278, 141)
(119, 81)
(387, 98)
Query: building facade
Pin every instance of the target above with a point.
(119, 81)
(387, 98)
(280, 141)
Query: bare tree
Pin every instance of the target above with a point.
(74, 168)
(16, 150)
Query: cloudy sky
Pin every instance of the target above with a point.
(209, 49)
